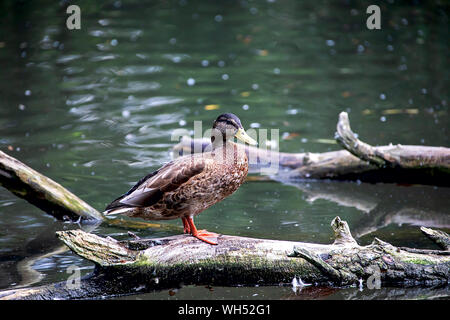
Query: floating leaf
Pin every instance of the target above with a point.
(212, 107)
(77, 134)
(247, 39)
(325, 141)
(262, 52)
(400, 111)
(346, 94)
(291, 136)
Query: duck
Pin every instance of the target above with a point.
(190, 184)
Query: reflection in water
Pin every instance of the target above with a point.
(286, 293)
(94, 109)
(25, 265)
(385, 204)
(371, 294)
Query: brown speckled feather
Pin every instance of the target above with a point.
(185, 186)
(168, 178)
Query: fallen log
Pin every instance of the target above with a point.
(359, 161)
(137, 266)
(43, 192)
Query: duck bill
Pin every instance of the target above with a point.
(244, 137)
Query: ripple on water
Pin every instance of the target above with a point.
(79, 99)
(130, 70)
(136, 86)
(104, 57)
(68, 58)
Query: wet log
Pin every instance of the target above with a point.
(42, 191)
(359, 161)
(137, 266)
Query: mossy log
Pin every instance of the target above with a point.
(42, 191)
(137, 266)
(359, 161)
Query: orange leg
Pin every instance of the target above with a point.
(186, 227)
(202, 234)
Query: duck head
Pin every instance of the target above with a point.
(227, 126)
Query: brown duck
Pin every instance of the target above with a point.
(190, 184)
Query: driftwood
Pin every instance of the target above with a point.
(137, 266)
(359, 161)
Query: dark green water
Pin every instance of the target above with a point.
(95, 108)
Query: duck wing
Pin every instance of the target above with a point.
(150, 189)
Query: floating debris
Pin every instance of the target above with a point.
(400, 111)
(290, 136)
(212, 107)
(325, 141)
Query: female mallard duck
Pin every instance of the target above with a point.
(190, 184)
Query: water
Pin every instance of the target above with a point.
(95, 108)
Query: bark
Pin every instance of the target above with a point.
(136, 266)
(359, 160)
